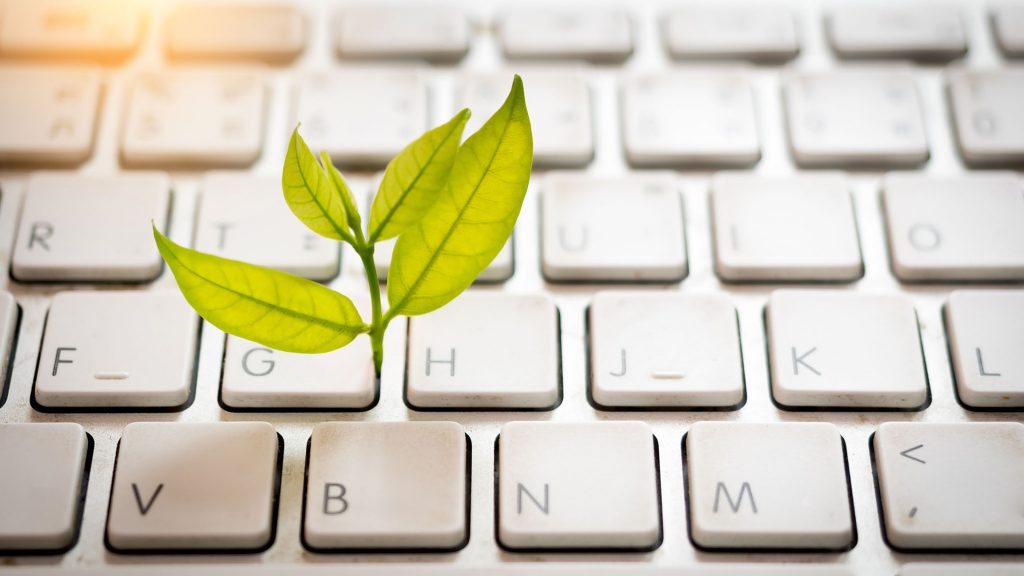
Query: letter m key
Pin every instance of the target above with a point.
(745, 493)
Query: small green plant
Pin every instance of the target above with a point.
(452, 207)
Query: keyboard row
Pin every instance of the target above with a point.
(557, 486)
(83, 228)
(276, 32)
(362, 117)
(123, 351)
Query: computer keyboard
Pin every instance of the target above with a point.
(762, 313)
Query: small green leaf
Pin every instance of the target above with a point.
(310, 194)
(441, 255)
(278, 310)
(341, 187)
(414, 179)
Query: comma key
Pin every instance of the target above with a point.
(951, 486)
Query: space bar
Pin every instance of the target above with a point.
(445, 570)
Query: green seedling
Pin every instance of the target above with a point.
(451, 204)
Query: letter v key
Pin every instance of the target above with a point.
(144, 508)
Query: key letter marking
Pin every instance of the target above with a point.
(57, 360)
(40, 233)
(799, 359)
(338, 496)
(735, 506)
(520, 490)
(144, 508)
(450, 362)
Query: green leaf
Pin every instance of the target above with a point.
(441, 255)
(277, 310)
(414, 179)
(342, 189)
(310, 194)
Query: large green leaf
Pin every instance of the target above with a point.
(414, 179)
(276, 309)
(310, 193)
(342, 189)
(441, 255)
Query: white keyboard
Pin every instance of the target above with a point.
(763, 313)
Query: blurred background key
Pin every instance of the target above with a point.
(207, 118)
(599, 35)
(751, 32)
(48, 114)
(426, 32)
(920, 31)
(1008, 25)
(103, 30)
(273, 32)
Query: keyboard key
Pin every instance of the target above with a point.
(549, 495)
(752, 32)
(928, 473)
(499, 270)
(194, 486)
(1008, 26)
(434, 32)
(90, 228)
(117, 349)
(361, 117)
(106, 30)
(922, 31)
(955, 229)
(704, 118)
(560, 113)
(832, 349)
(612, 229)
(855, 118)
(380, 485)
(987, 116)
(9, 321)
(986, 335)
(485, 350)
(48, 114)
(245, 218)
(780, 485)
(40, 493)
(664, 350)
(784, 229)
(257, 377)
(589, 34)
(428, 568)
(194, 119)
(955, 569)
(273, 32)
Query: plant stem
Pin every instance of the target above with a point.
(377, 324)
